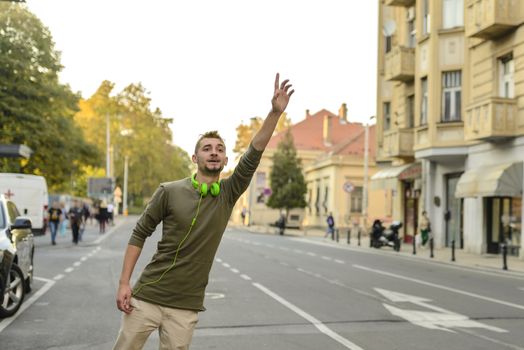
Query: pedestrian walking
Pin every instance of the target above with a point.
(194, 213)
(330, 226)
(281, 224)
(110, 213)
(102, 216)
(54, 215)
(75, 218)
(425, 228)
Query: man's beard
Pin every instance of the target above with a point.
(211, 172)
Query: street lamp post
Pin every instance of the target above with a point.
(126, 165)
(108, 148)
(366, 171)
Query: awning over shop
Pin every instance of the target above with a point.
(503, 180)
(387, 178)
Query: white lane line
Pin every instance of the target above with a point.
(226, 265)
(58, 277)
(498, 342)
(77, 263)
(218, 260)
(315, 322)
(246, 277)
(339, 261)
(83, 258)
(327, 258)
(311, 254)
(235, 271)
(458, 291)
(69, 269)
(48, 284)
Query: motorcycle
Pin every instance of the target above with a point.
(381, 236)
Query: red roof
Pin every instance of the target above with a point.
(346, 138)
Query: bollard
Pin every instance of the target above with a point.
(358, 237)
(414, 245)
(336, 233)
(349, 236)
(504, 256)
(431, 248)
(453, 250)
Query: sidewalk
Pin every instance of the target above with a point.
(486, 262)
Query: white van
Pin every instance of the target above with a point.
(29, 193)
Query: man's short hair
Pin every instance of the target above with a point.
(209, 135)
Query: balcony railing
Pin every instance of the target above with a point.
(405, 3)
(488, 19)
(397, 143)
(400, 64)
(492, 119)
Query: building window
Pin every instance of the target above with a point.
(424, 101)
(410, 111)
(324, 204)
(387, 115)
(412, 32)
(507, 76)
(356, 200)
(426, 23)
(452, 13)
(451, 96)
(317, 202)
(388, 43)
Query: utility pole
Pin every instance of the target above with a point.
(124, 205)
(108, 146)
(366, 175)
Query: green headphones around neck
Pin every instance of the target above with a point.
(203, 188)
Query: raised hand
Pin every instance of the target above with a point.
(281, 95)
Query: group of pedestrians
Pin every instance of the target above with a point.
(76, 218)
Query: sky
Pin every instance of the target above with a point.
(211, 65)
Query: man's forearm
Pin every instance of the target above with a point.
(130, 259)
(262, 137)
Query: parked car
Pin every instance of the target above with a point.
(16, 257)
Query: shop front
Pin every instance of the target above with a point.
(500, 187)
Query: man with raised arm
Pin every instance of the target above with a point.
(194, 213)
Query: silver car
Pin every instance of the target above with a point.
(16, 257)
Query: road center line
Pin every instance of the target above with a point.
(48, 284)
(454, 290)
(315, 322)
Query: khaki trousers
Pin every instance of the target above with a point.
(175, 326)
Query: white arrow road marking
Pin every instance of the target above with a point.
(429, 284)
(442, 319)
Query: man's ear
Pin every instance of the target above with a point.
(194, 158)
(225, 163)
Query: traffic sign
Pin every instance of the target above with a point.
(348, 187)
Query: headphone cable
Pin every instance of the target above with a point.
(193, 221)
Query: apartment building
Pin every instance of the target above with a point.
(450, 118)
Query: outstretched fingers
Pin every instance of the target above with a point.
(277, 78)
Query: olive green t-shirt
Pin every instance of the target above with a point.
(175, 205)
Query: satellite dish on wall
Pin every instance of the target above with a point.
(389, 27)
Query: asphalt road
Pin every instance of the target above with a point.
(273, 292)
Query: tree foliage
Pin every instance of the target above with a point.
(35, 108)
(286, 177)
(136, 131)
(245, 133)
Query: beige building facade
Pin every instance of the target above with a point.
(331, 150)
(450, 107)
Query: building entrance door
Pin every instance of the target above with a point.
(499, 213)
(454, 213)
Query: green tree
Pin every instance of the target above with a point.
(286, 177)
(138, 132)
(35, 109)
